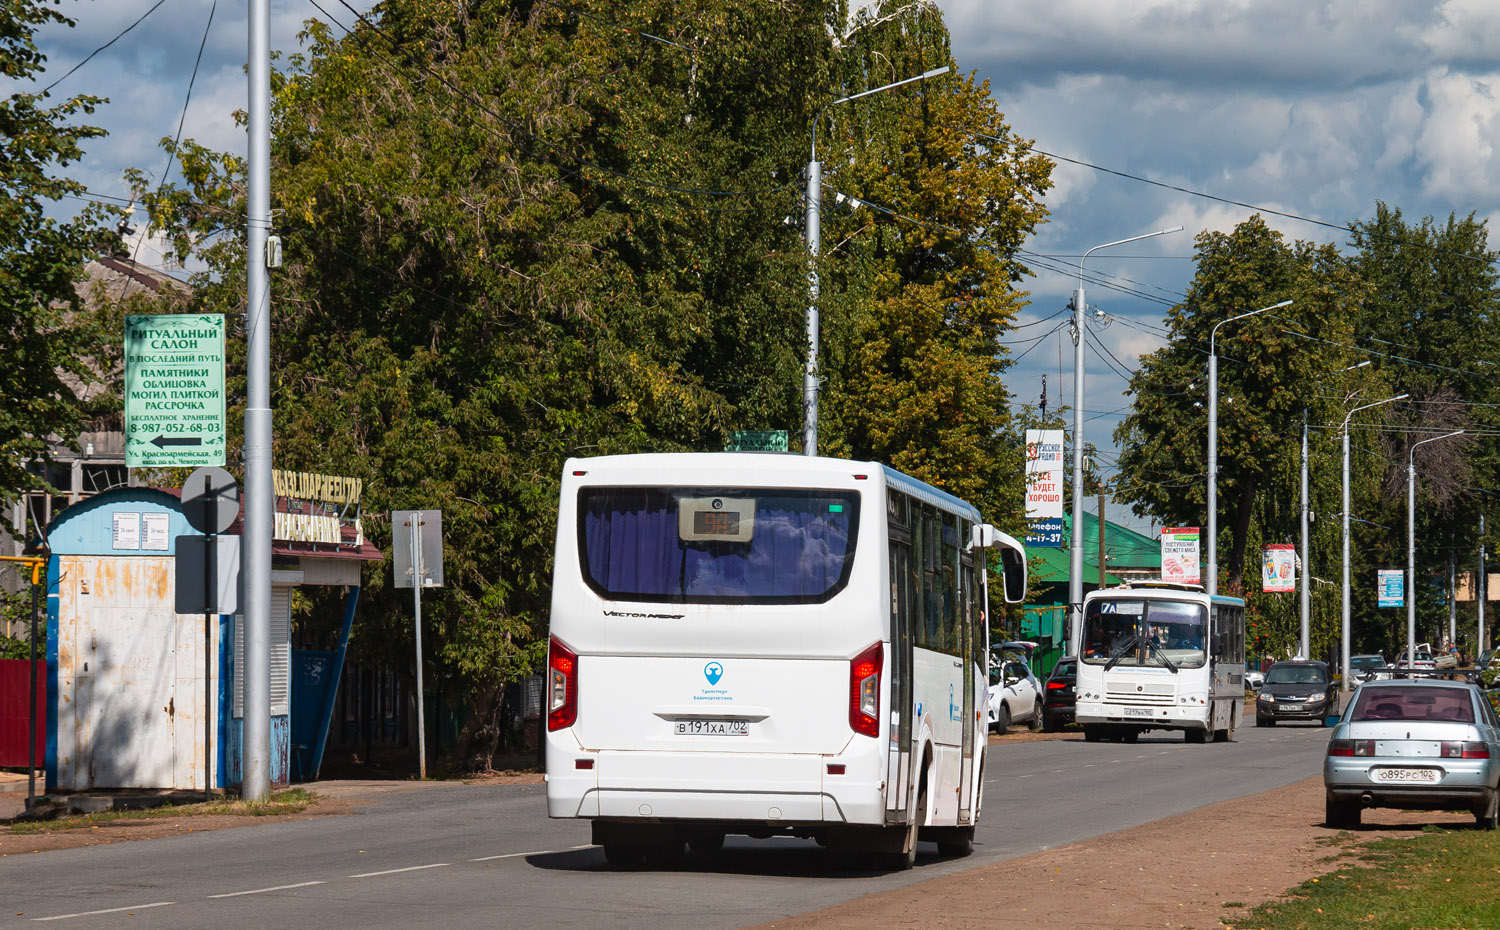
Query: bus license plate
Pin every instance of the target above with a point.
(1405, 775)
(713, 727)
(1137, 711)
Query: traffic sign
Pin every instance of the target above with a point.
(210, 500)
(174, 390)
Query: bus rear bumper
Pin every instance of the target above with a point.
(713, 786)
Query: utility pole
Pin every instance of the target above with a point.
(1305, 598)
(1213, 445)
(255, 557)
(1411, 546)
(1075, 545)
(1101, 536)
(814, 221)
(1479, 590)
(1452, 598)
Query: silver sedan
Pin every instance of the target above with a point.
(1419, 744)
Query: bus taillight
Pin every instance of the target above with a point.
(864, 691)
(562, 685)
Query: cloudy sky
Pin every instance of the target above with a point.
(1313, 108)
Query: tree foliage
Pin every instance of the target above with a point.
(45, 341)
(1412, 305)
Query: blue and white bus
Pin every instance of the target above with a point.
(767, 645)
(1160, 656)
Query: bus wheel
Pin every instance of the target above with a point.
(907, 856)
(1195, 736)
(706, 842)
(956, 841)
(1092, 735)
(624, 854)
(1131, 736)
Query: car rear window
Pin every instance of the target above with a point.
(1413, 704)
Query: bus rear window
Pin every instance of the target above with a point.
(697, 545)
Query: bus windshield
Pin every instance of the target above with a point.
(696, 545)
(1144, 632)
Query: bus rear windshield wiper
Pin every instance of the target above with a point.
(1121, 652)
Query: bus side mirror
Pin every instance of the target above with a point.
(1012, 565)
(984, 536)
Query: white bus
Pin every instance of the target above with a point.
(1160, 656)
(767, 645)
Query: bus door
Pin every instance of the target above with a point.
(969, 647)
(898, 768)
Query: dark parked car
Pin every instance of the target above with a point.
(1299, 690)
(1057, 696)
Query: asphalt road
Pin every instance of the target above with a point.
(463, 857)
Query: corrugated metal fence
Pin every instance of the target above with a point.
(15, 677)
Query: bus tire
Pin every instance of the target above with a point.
(1130, 736)
(1035, 723)
(624, 855)
(1091, 734)
(1195, 736)
(706, 842)
(907, 856)
(956, 841)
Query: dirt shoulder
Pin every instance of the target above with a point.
(1200, 870)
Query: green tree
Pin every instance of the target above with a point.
(46, 342)
(1270, 372)
(1428, 321)
(922, 284)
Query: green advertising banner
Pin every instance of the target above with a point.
(174, 391)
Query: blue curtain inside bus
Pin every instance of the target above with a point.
(801, 549)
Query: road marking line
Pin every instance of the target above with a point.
(108, 910)
(1024, 776)
(236, 894)
(410, 868)
(539, 852)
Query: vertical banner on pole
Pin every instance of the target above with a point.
(1391, 588)
(1044, 486)
(1179, 555)
(1278, 568)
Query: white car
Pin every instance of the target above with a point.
(1015, 693)
(1254, 679)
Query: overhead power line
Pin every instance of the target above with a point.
(90, 57)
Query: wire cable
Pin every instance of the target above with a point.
(172, 152)
(101, 48)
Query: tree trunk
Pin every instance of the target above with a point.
(480, 738)
(1243, 510)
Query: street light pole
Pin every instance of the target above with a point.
(1075, 546)
(813, 227)
(1213, 444)
(255, 549)
(1304, 641)
(1344, 637)
(1411, 546)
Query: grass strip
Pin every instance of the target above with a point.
(289, 801)
(1442, 878)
